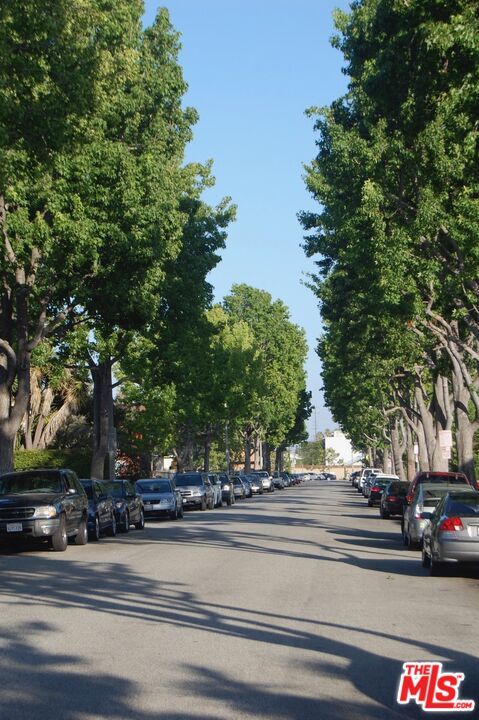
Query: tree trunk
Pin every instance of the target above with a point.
(279, 459)
(103, 428)
(206, 464)
(7, 441)
(396, 449)
(386, 461)
(247, 453)
(266, 457)
(465, 427)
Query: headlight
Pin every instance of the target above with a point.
(46, 511)
(226, 487)
(196, 492)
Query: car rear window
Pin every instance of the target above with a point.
(399, 489)
(449, 479)
(464, 507)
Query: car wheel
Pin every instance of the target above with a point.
(203, 504)
(181, 513)
(405, 538)
(112, 530)
(211, 504)
(174, 514)
(141, 522)
(95, 533)
(229, 501)
(370, 503)
(426, 560)
(81, 538)
(384, 514)
(125, 526)
(59, 540)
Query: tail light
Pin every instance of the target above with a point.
(391, 498)
(375, 489)
(409, 497)
(451, 524)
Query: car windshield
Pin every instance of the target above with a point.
(185, 480)
(153, 486)
(380, 483)
(30, 483)
(116, 489)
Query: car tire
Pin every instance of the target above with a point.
(384, 514)
(181, 512)
(59, 539)
(112, 529)
(229, 501)
(211, 504)
(203, 505)
(95, 533)
(425, 559)
(125, 526)
(370, 503)
(141, 522)
(405, 537)
(81, 538)
(174, 514)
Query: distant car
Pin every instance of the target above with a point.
(278, 481)
(43, 504)
(376, 490)
(101, 510)
(452, 535)
(227, 493)
(195, 489)
(247, 486)
(448, 478)
(128, 505)
(266, 479)
(160, 498)
(238, 488)
(364, 475)
(393, 499)
(216, 485)
(256, 484)
(426, 498)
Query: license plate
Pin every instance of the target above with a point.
(14, 527)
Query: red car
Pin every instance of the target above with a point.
(451, 478)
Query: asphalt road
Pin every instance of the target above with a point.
(301, 605)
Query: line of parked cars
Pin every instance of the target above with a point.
(438, 512)
(55, 506)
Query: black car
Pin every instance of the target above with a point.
(393, 499)
(227, 493)
(128, 505)
(101, 510)
(195, 489)
(160, 498)
(43, 504)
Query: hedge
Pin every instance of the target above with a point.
(77, 460)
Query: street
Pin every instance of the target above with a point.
(301, 605)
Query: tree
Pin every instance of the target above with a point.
(395, 173)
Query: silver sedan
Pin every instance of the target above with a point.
(452, 535)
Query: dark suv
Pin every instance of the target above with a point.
(195, 489)
(44, 504)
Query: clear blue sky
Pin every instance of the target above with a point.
(253, 67)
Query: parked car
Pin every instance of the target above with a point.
(43, 504)
(377, 491)
(160, 498)
(278, 481)
(101, 510)
(227, 492)
(364, 475)
(128, 505)
(216, 485)
(238, 488)
(196, 490)
(256, 484)
(247, 486)
(266, 480)
(425, 500)
(452, 534)
(373, 480)
(450, 478)
(393, 499)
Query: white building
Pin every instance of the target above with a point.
(338, 443)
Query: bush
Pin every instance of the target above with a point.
(77, 460)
